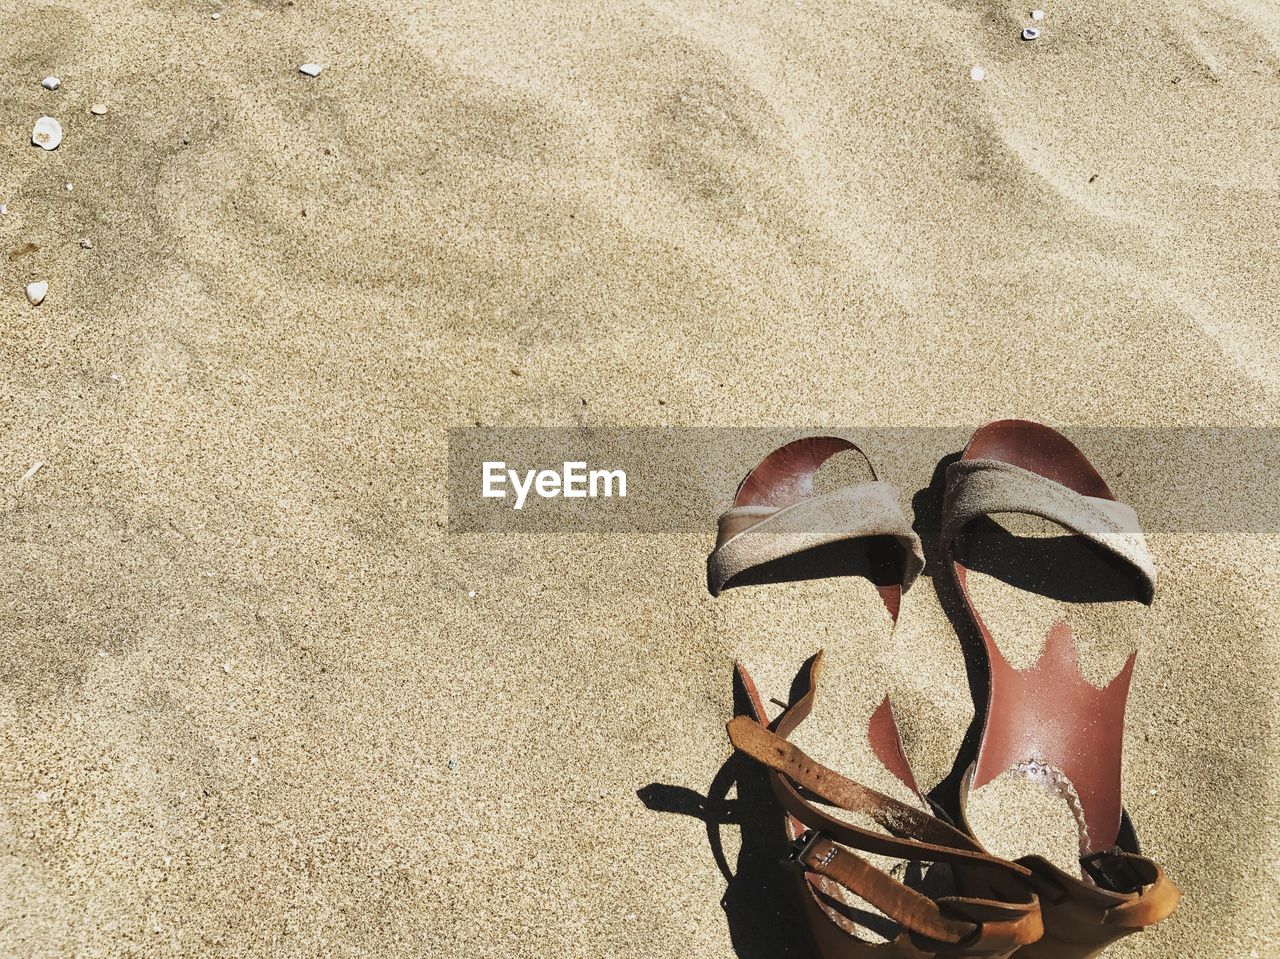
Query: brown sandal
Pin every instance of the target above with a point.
(1047, 722)
(778, 513)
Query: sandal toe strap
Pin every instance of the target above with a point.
(981, 487)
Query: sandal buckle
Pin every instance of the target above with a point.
(1110, 870)
(799, 848)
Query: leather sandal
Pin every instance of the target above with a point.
(1047, 723)
(778, 513)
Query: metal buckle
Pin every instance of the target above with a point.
(1110, 870)
(800, 848)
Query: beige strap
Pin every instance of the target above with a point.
(753, 535)
(981, 487)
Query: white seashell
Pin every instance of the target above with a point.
(3, 209)
(216, 16)
(86, 244)
(1030, 33)
(98, 109)
(36, 291)
(977, 73)
(51, 83)
(1037, 14)
(70, 187)
(47, 133)
(311, 69)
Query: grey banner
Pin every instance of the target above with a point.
(1179, 479)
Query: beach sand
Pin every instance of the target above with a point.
(256, 699)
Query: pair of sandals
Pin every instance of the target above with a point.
(1046, 723)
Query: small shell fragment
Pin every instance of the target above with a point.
(98, 109)
(1030, 33)
(977, 73)
(47, 133)
(1037, 14)
(51, 83)
(311, 69)
(36, 291)
(70, 187)
(86, 244)
(216, 16)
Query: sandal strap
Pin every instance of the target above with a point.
(825, 849)
(1155, 896)
(950, 920)
(751, 536)
(980, 487)
(913, 834)
(819, 856)
(777, 512)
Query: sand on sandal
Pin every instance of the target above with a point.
(255, 700)
(1027, 574)
(1015, 816)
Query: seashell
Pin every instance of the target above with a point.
(86, 244)
(216, 16)
(311, 69)
(47, 133)
(98, 109)
(1037, 14)
(4, 210)
(36, 291)
(1030, 33)
(977, 73)
(51, 83)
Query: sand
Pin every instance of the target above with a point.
(248, 704)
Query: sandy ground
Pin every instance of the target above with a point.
(248, 704)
